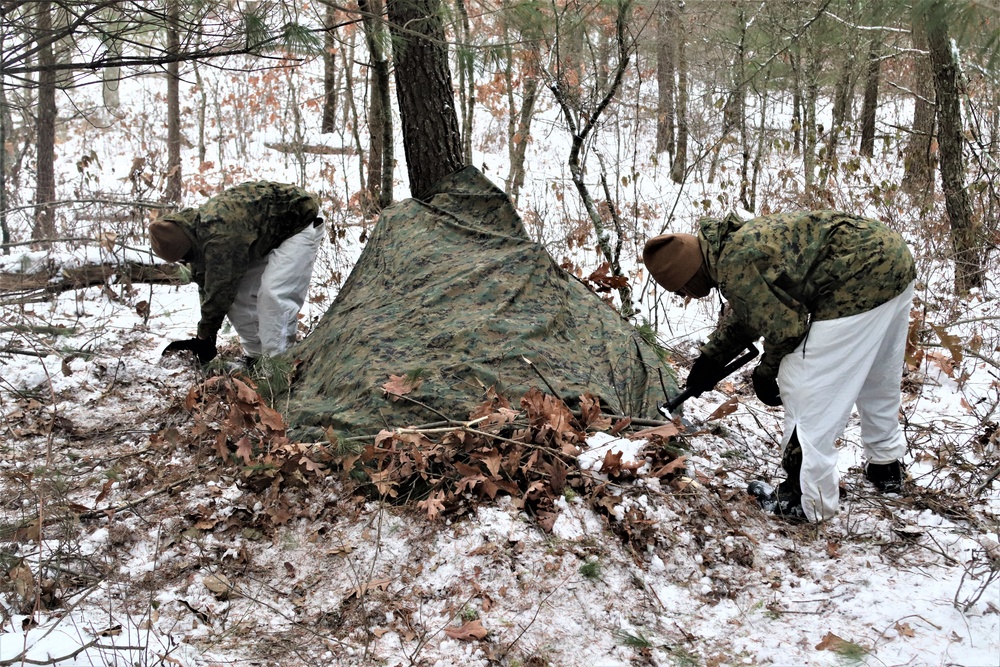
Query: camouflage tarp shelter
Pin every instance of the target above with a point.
(453, 288)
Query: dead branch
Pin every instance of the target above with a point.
(27, 287)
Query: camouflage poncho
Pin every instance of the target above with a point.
(779, 272)
(234, 229)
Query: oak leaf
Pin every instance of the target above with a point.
(400, 385)
(271, 418)
(473, 630)
(727, 408)
(665, 431)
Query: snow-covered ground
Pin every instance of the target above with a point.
(154, 553)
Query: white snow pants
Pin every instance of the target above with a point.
(843, 362)
(266, 310)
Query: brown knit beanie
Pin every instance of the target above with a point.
(672, 259)
(168, 240)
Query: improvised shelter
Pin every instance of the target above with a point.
(453, 289)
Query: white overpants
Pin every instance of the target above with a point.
(266, 310)
(843, 362)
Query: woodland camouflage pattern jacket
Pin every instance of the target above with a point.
(779, 272)
(234, 229)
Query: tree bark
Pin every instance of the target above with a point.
(431, 138)
(841, 109)
(666, 69)
(45, 129)
(870, 107)
(380, 147)
(466, 81)
(4, 229)
(795, 58)
(968, 269)
(174, 183)
(919, 157)
(328, 124)
(810, 94)
(522, 130)
(679, 166)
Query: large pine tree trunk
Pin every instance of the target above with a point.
(665, 72)
(919, 159)
(968, 270)
(173, 189)
(431, 138)
(868, 111)
(45, 129)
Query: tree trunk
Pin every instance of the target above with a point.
(868, 111)
(968, 270)
(810, 93)
(202, 114)
(738, 111)
(566, 96)
(45, 129)
(431, 138)
(665, 72)
(762, 142)
(919, 156)
(519, 139)
(679, 166)
(328, 124)
(841, 109)
(795, 57)
(4, 229)
(466, 81)
(380, 146)
(353, 120)
(173, 189)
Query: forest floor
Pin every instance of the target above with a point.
(127, 540)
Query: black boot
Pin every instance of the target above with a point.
(887, 477)
(786, 500)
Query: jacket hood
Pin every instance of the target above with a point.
(714, 233)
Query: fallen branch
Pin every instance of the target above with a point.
(42, 284)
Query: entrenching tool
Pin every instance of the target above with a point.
(670, 406)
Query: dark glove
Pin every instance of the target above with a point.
(204, 348)
(766, 388)
(704, 375)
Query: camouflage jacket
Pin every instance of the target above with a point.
(779, 272)
(234, 229)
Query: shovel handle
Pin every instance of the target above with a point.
(670, 406)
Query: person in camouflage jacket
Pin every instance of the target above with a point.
(251, 250)
(830, 294)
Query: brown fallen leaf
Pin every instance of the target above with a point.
(370, 585)
(400, 385)
(904, 629)
(832, 642)
(665, 431)
(219, 584)
(473, 630)
(727, 408)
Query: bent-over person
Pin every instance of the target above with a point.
(251, 250)
(830, 295)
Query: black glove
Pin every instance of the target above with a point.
(766, 388)
(704, 375)
(204, 348)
